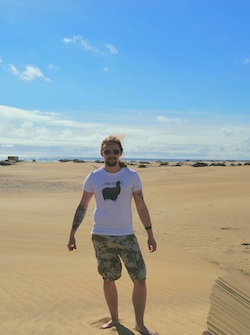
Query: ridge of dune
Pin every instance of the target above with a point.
(230, 306)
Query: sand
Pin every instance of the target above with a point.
(198, 280)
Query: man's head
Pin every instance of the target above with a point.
(111, 150)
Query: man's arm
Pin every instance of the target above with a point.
(145, 218)
(78, 218)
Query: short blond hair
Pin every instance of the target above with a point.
(112, 139)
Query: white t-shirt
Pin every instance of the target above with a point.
(113, 194)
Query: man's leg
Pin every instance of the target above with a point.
(111, 296)
(139, 302)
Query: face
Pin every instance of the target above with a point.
(111, 153)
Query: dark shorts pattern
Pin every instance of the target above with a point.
(110, 250)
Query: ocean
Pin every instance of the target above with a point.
(82, 158)
(127, 159)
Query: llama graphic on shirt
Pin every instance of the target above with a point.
(111, 193)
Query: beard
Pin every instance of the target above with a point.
(111, 162)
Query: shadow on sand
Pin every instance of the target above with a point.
(123, 330)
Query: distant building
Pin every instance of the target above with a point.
(13, 158)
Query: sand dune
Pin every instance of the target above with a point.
(201, 223)
(230, 306)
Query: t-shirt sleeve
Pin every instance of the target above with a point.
(137, 182)
(88, 184)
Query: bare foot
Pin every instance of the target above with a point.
(144, 331)
(109, 324)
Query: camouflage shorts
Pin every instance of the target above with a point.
(109, 252)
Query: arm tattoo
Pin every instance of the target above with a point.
(140, 195)
(79, 215)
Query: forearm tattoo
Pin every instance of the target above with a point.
(79, 215)
(140, 194)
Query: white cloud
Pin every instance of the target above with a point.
(246, 61)
(163, 119)
(53, 67)
(86, 45)
(13, 70)
(70, 40)
(228, 131)
(111, 48)
(30, 73)
(11, 113)
(7, 145)
(53, 134)
(18, 123)
(83, 43)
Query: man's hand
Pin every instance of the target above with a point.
(152, 244)
(72, 244)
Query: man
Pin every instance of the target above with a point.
(113, 237)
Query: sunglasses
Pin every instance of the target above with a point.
(108, 152)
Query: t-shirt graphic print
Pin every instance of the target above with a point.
(111, 193)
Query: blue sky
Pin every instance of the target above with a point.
(171, 77)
